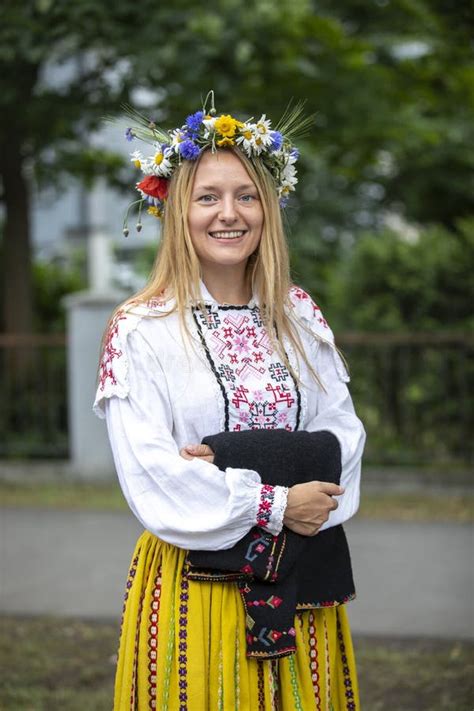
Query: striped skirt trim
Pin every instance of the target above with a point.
(182, 647)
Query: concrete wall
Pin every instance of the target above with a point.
(88, 313)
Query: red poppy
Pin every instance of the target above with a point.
(154, 186)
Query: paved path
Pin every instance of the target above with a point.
(412, 579)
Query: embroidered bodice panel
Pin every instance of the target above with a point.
(258, 390)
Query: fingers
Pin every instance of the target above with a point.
(203, 451)
(199, 450)
(304, 529)
(330, 489)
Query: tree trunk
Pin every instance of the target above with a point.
(16, 279)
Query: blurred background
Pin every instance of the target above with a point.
(381, 226)
(381, 231)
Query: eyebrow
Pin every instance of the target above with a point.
(210, 188)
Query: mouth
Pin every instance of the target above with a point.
(227, 234)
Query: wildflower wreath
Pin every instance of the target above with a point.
(205, 130)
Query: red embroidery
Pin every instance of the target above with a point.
(303, 296)
(259, 388)
(313, 655)
(156, 302)
(267, 497)
(110, 352)
(300, 293)
(280, 394)
(273, 601)
(153, 640)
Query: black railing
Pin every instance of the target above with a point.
(33, 415)
(414, 393)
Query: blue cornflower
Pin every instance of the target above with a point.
(294, 153)
(193, 123)
(277, 140)
(284, 201)
(129, 135)
(189, 150)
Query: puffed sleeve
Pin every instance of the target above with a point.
(334, 409)
(188, 503)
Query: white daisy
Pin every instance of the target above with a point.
(147, 166)
(161, 163)
(177, 137)
(136, 158)
(262, 130)
(283, 191)
(288, 174)
(209, 122)
(252, 140)
(246, 139)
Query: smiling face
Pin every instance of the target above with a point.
(225, 215)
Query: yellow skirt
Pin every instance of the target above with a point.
(182, 647)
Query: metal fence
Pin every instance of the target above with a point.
(33, 415)
(414, 393)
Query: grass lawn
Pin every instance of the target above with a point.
(392, 506)
(51, 664)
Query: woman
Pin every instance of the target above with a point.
(219, 341)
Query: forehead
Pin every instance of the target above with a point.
(221, 168)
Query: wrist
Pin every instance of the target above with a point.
(271, 508)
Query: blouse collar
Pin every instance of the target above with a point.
(209, 300)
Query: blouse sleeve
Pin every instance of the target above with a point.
(335, 410)
(188, 503)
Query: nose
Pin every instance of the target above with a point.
(227, 212)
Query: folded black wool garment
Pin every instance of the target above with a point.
(278, 575)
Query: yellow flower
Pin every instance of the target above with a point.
(227, 125)
(155, 211)
(224, 142)
(158, 158)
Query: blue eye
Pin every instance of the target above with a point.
(248, 198)
(206, 198)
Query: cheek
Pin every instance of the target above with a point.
(196, 223)
(259, 218)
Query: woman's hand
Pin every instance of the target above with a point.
(201, 451)
(309, 506)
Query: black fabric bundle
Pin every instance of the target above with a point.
(278, 575)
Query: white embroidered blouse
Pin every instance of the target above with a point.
(159, 393)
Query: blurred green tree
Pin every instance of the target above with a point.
(391, 83)
(51, 282)
(393, 283)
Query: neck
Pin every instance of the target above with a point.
(227, 285)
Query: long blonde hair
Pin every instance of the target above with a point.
(176, 271)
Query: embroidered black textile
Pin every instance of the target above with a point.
(279, 574)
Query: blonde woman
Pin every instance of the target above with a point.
(220, 341)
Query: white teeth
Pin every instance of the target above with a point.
(227, 235)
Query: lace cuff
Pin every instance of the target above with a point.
(271, 508)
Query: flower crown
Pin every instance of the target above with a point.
(206, 130)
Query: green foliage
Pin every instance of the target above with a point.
(389, 282)
(392, 85)
(413, 397)
(51, 282)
